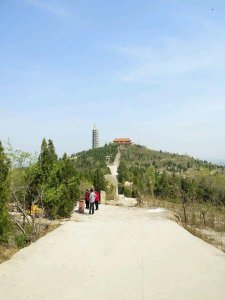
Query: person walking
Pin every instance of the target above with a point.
(86, 198)
(97, 199)
(92, 201)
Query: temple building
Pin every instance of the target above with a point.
(122, 141)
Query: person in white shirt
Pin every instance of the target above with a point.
(92, 197)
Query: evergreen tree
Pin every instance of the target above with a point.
(161, 185)
(99, 180)
(43, 160)
(122, 172)
(4, 194)
(62, 190)
(47, 159)
(205, 192)
(52, 156)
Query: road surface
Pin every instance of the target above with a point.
(117, 253)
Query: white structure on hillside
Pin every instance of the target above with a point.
(95, 138)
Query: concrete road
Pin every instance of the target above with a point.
(117, 253)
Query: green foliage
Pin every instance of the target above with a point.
(47, 159)
(178, 178)
(55, 183)
(140, 156)
(62, 192)
(127, 191)
(20, 240)
(86, 162)
(19, 159)
(99, 180)
(123, 173)
(4, 196)
(56, 180)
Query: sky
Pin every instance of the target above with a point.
(153, 71)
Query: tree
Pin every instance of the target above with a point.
(43, 159)
(39, 175)
(47, 159)
(4, 195)
(150, 179)
(19, 159)
(188, 194)
(122, 172)
(62, 191)
(99, 180)
(56, 179)
(52, 156)
(161, 185)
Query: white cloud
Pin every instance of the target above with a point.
(52, 8)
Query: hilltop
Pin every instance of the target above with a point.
(141, 156)
(146, 168)
(172, 162)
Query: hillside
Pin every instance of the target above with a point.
(193, 189)
(146, 168)
(171, 176)
(137, 155)
(86, 162)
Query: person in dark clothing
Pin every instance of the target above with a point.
(86, 197)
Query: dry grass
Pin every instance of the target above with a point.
(210, 236)
(207, 223)
(8, 250)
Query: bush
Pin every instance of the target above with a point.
(20, 240)
(127, 191)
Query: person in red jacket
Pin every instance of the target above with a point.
(97, 199)
(86, 197)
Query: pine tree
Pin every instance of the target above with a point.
(43, 160)
(123, 172)
(4, 195)
(99, 180)
(52, 156)
(47, 159)
(62, 190)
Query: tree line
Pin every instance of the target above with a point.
(202, 185)
(51, 183)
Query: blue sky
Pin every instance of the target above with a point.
(153, 71)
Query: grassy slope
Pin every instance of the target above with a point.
(137, 155)
(88, 161)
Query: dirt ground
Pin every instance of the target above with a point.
(117, 253)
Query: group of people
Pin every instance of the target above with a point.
(92, 200)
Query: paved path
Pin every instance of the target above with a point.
(117, 253)
(120, 199)
(113, 169)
